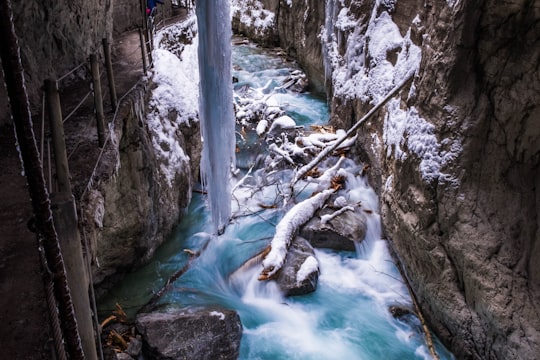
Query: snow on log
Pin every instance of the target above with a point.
(326, 218)
(287, 228)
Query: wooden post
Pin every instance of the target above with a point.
(110, 75)
(57, 132)
(143, 13)
(143, 49)
(151, 34)
(149, 42)
(98, 100)
(66, 224)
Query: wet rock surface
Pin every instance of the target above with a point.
(184, 334)
(340, 233)
(291, 280)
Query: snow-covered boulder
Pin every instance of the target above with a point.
(300, 272)
(282, 124)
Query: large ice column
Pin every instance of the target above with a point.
(216, 105)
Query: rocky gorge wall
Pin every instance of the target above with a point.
(455, 158)
(56, 36)
(133, 207)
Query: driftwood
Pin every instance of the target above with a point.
(328, 150)
(192, 256)
(418, 313)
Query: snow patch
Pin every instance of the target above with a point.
(309, 266)
(218, 314)
(174, 102)
(253, 14)
(405, 129)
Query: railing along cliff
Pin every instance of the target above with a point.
(58, 176)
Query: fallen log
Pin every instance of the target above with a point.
(287, 228)
(328, 150)
(418, 313)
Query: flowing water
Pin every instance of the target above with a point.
(347, 316)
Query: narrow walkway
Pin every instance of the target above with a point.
(24, 329)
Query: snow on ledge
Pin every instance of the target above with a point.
(176, 92)
(218, 314)
(253, 14)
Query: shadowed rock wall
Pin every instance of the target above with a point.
(132, 208)
(55, 36)
(456, 160)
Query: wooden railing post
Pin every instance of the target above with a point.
(98, 99)
(66, 224)
(110, 75)
(149, 43)
(57, 131)
(143, 49)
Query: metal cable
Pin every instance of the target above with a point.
(77, 106)
(138, 49)
(42, 140)
(111, 126)
(71, 71)
(88, 125)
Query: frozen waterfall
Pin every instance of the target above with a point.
(216, 105)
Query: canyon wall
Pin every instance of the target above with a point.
(455, 157)
(134, 206)
(56, 36)
(148, 173)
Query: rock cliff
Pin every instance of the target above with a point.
(133, 207)
(56, 36)
(455, 158)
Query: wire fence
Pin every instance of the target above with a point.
(80, 110)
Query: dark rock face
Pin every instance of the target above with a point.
(56, 36)
(298, 28)
(340, 233)
(202, 334)
(467, 233)
(133, 208)
(300, 254)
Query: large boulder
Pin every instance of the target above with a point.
(300, 272)
(339, 233)
(191, 334)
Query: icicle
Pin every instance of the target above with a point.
(216, 105)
